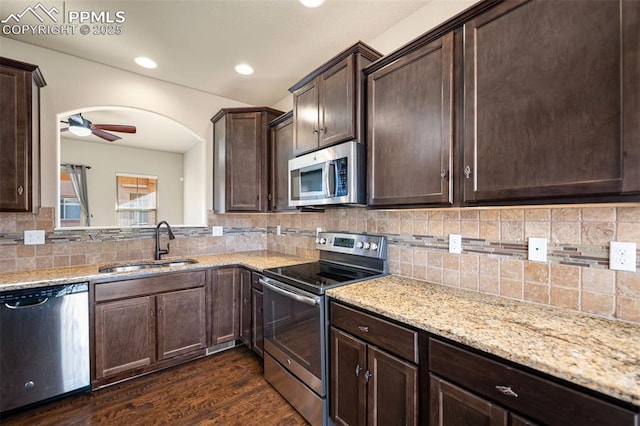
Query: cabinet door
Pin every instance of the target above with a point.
(257, 316)
(410, 127)
(281, 140)
(181, 322)
(246, 155)
(348, 359)
(245, 307)
(19, 125)
(305, 118)
(547, 93)
(453, 406)
(225, 302)
(124, 335)
(392, 391)
(337, 103)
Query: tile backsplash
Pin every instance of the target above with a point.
(494, 242)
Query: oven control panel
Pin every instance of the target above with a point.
(358, 244)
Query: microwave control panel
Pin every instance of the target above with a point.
(342, 174)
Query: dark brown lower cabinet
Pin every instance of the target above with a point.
(225, 305)
(256, 316)
(146, 324)
(467, 388)
(245, 307)
(369, 385)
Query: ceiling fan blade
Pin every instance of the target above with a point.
(114, 128)
(104, 135)
(64, 129)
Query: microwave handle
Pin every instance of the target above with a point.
(330, 179)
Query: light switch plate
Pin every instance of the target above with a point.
(622, 256)
(278, 230)
(216, 231)
(538, 249)
(33, 237)
(455, 243)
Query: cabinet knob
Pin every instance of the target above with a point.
(20, 190)
(443, 174)
(246, 300)
(363, 328)
(367, 376)
(467, 171)
(506, 390)
(358, 370)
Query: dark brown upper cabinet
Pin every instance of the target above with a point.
(410, 127)
(281, 151)
(328, 103)
(20, 85)
(551, 101)
(240, 159)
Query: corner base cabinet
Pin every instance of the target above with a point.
(20, 85)
(374, 371)
(145, 324)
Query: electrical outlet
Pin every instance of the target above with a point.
(538, 249)
(216, 231)
(455, 243)
(622, 256)
(33, 237)
(278, 230)
(318, 230)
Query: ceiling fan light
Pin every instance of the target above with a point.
(79, 127)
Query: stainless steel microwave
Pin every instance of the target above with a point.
(333, 175)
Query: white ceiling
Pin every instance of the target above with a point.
(197, 43)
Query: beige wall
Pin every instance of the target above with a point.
(74, 83)
(107, 160)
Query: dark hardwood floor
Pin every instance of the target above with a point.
(227, 388)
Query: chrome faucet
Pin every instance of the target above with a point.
(159, 251)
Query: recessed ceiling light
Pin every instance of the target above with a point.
(244, 69)
(311, 3)
(146, 62)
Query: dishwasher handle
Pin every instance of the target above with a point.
(38, 301)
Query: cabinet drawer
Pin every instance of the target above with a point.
(391, 337)
(535, 397)
(150, 285)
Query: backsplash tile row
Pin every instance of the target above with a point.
(493, 261)
(97, 246)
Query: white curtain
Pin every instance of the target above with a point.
(78, 175)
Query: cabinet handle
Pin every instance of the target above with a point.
(467, 172)
(363, 328)
(20, 190)
(246, 300)
(316, 131)
(443, 174)
(506, 390)
(367, 376)
(358, 370)
(152, 313)
(270, 197)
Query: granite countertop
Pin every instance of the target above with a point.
(599, 354)
(257, 260)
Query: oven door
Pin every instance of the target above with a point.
(294, 331)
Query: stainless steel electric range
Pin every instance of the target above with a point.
(296, 316)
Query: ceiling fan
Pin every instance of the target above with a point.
(80, 126)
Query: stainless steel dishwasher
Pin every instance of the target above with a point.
(44, 344)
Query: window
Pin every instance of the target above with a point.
(69, 204)
(136, 203)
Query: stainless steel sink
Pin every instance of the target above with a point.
(129, 267)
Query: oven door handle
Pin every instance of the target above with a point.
(297, 297)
